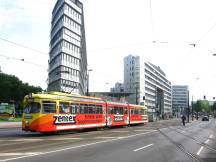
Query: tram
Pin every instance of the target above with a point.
(56, 111)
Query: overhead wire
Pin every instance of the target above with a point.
(23, 46)
(23, 60)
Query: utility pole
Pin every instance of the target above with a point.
(192, 108)
(136, 96)
(188, 111)
(87, 93)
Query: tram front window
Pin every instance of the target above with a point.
(32, 107)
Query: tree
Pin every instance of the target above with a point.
(13, 89)
(214, 107)
(202, 106)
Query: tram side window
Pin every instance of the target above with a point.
(111, 110)
(64, 108)
(91, 109)
(32, 107)
(136, 111)
(83, 109)
(118, 110)
(99, 109)
(49, 107)
(74, 108)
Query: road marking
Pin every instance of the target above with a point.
(103, 137)
(199, 151)
(201, 148)
(211, 136)
(143, 147)
(207, 141)
(19, 153)
(79, 146)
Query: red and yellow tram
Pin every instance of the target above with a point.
(56, 111)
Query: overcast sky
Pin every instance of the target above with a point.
(115, 29)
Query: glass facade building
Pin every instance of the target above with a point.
(180, 96)
(67, 56)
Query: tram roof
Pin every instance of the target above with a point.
(61, 95)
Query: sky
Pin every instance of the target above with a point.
(159, 30)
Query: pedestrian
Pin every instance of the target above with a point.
(183, 119)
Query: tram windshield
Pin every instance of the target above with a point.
(32, 107)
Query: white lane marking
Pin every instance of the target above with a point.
(201, 148)
(199, 151)
(143, 147)
(103, 137)
(207, 141)
(19, 153)
(79, 146)
(211, 136)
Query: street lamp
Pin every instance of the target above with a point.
(87, 93)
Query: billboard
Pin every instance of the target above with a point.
(7, 110)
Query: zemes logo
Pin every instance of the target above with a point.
(64, 119)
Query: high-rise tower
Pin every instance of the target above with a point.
(67, 56)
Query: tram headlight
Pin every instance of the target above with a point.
(26, 122)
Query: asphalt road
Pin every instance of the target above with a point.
(166, 141)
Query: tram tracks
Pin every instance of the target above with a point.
(194, 157)
(179, 146)
(195, 140)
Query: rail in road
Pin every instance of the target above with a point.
(137, 143)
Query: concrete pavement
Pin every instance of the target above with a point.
(159, 141)
(4, 125)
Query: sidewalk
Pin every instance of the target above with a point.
(4, 125)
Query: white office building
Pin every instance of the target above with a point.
(148, 85)
(67, 56)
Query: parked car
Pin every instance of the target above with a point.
(205, 118)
